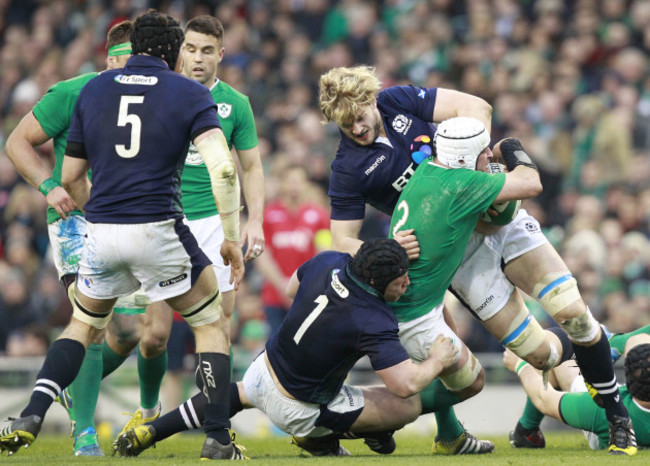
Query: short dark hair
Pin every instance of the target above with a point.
(159, 35)
(206, 24)
(119, 34)
(637, 372)
(380, 261)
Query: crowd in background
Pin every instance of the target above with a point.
(570, 78)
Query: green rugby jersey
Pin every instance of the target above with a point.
(442, 205)
(54, 112)
(238, 125)
(579, 410)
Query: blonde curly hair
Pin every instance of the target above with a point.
(343, 92)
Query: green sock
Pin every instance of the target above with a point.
(85, 389)
(436, 397)
(151, 372)
(618, 340)
(449, 427)
(532, 417)
(111, 360)
(438, 400)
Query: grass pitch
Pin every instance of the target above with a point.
(566, 448)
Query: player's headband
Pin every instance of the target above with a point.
(120, 49)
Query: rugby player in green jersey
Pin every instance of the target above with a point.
(570, 402)
(50, 119)
(441, 204)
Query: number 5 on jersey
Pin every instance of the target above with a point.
(125, 118)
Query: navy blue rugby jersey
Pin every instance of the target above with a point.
(134, 126)
(333, 322)
(376, 174)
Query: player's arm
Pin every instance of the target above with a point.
(345, 235)
(547, 400)
(74, 177)
(408, 377)
(213, 148)
(292, 285)
(253, 186)
(522, 179)
(20, 150)
(451, 103)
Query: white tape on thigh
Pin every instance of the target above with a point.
(464, 377)
(525, 335)
(556, 291)
(99, 321)
(204, 312)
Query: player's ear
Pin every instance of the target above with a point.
(179, 63)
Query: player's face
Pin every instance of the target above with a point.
(397, 288)
(118, 61)
(483, 160)
(366, 127)
(201, 54)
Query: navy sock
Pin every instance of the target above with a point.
(59, 369)
(595, 363)
(567, 346)
(235, 402)
(213, 379)
(187, 416)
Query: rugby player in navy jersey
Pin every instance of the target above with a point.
(339, 314)
(373, 164)
(128, 128)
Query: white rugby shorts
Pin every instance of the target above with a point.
(292, 416)
(209, 233)
(67, 242)
(480, 282)
(418, 334)
(162, 256)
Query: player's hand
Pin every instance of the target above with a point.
(408, 241)
(253, 235)
(232, 255)
(444, 350)
(510, 360)
(60, 200)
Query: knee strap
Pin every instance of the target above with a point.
(556, 291)
(94, 319)
(204, 312)
(464, 377)
(524, 335)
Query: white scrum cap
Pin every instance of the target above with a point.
(459, 142)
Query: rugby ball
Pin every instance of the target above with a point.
(507, 211)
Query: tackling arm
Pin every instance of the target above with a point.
(345, 235)
(408, 378)
(450, 103)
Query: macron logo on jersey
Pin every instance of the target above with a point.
(136, 79)
(372, 167)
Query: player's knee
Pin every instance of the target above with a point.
(206, 311)
(558, 294)
(583, 329)
(153, 344)
(545, 356)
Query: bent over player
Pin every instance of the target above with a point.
(133, 136)
(373, 164)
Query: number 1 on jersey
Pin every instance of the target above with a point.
(313, 315)
(125, 118)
